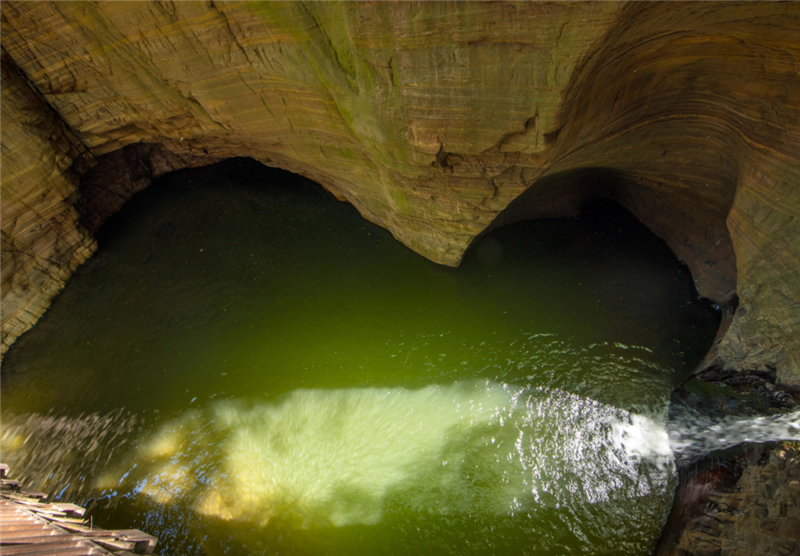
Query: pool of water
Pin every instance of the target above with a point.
(246, 366)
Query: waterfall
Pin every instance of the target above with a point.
(692, 436)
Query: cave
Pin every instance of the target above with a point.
(452, 132)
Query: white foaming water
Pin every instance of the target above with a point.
(342, 457)
(692, 436)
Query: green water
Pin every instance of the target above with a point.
(246, 366)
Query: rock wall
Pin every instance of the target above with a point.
(42, 242)
(431, 118)
(742, 505)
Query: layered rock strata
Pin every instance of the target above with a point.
(431, 118)
(42, 241)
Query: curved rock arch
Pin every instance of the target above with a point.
(701, 125)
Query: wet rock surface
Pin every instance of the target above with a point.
(743, 392)
(744, 503)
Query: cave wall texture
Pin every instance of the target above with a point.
(435, 120)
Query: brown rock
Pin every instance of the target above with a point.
(42, 242)
(753, 531)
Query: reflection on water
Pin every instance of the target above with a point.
(248, 367)
(334, 457)
(321, 458)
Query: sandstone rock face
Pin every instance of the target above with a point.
(42, 242)
(431, 118)
(741, 508)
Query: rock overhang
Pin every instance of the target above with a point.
(437, 121)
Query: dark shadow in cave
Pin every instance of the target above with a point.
(214, 277)
(591, 194)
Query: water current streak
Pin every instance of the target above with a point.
(692, 436)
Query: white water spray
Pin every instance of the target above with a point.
(692, 436)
